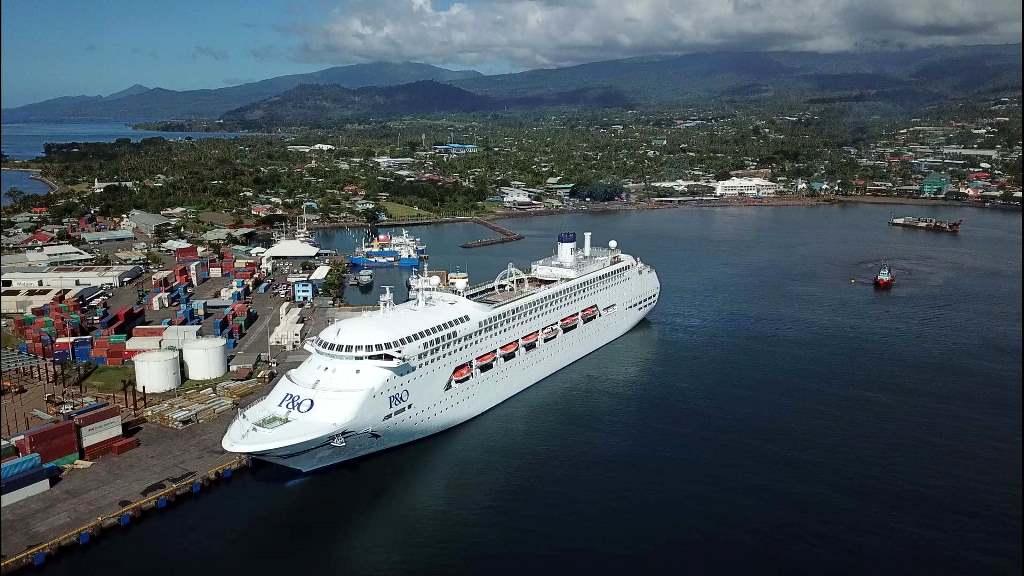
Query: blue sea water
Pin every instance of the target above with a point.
(774, 414)
(20, 179)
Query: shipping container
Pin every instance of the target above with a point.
(20, 465)
(86, 409)
(100, 431)
(96, 451)
(124, 444)
(30, 477)
(20, 494)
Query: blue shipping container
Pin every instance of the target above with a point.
(23, 479)
(20, 465)
(86, 409)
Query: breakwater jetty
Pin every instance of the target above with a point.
(504, 235)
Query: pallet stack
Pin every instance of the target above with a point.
(188, 409)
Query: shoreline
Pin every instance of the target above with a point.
(36, 174)
(618, 207)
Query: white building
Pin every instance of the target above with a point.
(97, 185)
(746, 187)
(517, 197)
(47, 256)
(69, 276)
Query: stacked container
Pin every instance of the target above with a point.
(24, 477)
(55, 443)
(98, 431)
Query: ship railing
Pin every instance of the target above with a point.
(246, 412)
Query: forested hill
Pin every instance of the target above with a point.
(906, 79)
(320, 105)
(141, 103)
(903, 76)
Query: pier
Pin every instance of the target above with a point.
(504, 235)
(113, 492)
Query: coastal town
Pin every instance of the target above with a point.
(162, 284)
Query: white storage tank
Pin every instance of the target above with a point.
(205, 358)
(157, 371)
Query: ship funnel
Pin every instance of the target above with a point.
(567, 247)
(586, 244)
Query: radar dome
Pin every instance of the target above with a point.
(612, 244)
(435, 281)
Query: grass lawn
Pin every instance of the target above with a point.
(402, 211)
(108, 378)
(201, 384)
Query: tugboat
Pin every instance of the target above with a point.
(884, 279)
(951, 226)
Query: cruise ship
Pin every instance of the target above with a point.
(406, 371)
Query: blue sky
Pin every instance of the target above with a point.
(101, 46)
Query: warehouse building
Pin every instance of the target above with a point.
(68, 276)
(47, 256)
(146, 222)
(108, 236)
(23, 300)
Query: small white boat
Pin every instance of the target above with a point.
(365, 277)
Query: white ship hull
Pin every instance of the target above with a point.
(418, 397)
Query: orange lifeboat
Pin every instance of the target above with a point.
(550, 332)
(509, 348)
(462, 373)
(569, 321)
(486, 358)
(531, 337)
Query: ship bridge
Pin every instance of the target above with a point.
(395, 332)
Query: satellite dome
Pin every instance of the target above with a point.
(612, 244)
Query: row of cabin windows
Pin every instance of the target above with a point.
(334, 347)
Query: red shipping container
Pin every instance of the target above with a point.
(95, 416)
(115, 361)
(148, 331)
(124, 444)
(94, 452)
(50, 442)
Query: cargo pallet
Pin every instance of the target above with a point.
(37, 555)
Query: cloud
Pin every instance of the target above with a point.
(532, 33)
(264, 52)
(204, 51)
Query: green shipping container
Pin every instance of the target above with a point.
(65, 460)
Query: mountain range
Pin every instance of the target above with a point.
(907, 78)
(140, 103)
